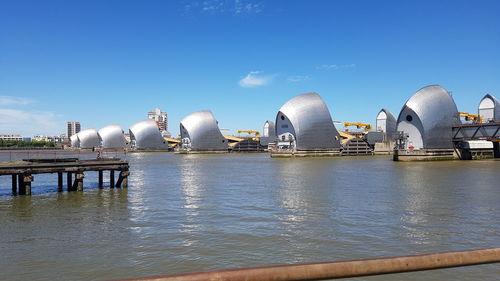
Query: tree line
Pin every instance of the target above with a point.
(33, 143)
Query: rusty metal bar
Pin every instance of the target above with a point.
(343, 269)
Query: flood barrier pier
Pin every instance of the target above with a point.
(22, 172)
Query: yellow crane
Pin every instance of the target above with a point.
(250, 132)
(359, 125)
(475, 118)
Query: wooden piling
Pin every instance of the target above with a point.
(22, 173)
(59, 181)
(112, 178)
(20, 184)
(14, 184)
(100, 178)
(27, 179)
(79, 181)
(122, 179)
(125, 179)
(69, 181)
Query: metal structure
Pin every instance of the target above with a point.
(112, 137)
(304, 123)
(478, 131)
(145, 134)
(250, 132)
(268, 133)
(89, 138)
(75, 142)
(475, 118)
(200, 132)
(359, 125)
(386, 122)
(427, 119)
(489, 109)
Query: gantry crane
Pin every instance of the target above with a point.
(475, 118)
(250, 132)
(359, 125)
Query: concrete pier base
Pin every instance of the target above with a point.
(425, 155)
(305, 153)
(201, 152)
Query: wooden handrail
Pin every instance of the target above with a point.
(342, 269)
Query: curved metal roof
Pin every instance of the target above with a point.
(112, 137)
(74, 141)
(311, 120)
(89, 138)
(146, 135)
(271, 128)
(271, 133)
(496, 107)
(436, 113)
(390, 121)
(203, 131)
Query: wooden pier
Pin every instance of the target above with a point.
(22, 172)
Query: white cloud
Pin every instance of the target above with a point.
(26, 123)
(220, 7)
(298, 78)
(334, 66)
(8, 100)
(253, 79)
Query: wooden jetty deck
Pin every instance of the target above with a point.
(22, 172)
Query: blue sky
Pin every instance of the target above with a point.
(110, 62)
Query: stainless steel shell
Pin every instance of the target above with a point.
(489, 109)
(112, 137)
(430, 113)
(386, 122)
(146, 135)
(89, 138)
(307, 118)
(200, 132)
(75, 143)
(268, 133)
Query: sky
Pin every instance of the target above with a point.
(108, 62)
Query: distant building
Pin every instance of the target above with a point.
(11, 137)
(57, 139)
(161, 119)
(73, 128)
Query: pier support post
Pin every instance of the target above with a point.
(112, 178)
(79, 181)
(496, 149)
(14, 184)
(27, 179)
(20, 184)
(59, 182)
(69, 181)
(122, 179)
(125, 178)
(100, 179)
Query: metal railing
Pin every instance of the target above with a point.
(343, 269)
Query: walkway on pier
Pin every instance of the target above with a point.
(22, 172)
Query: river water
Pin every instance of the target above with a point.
(185, 213)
